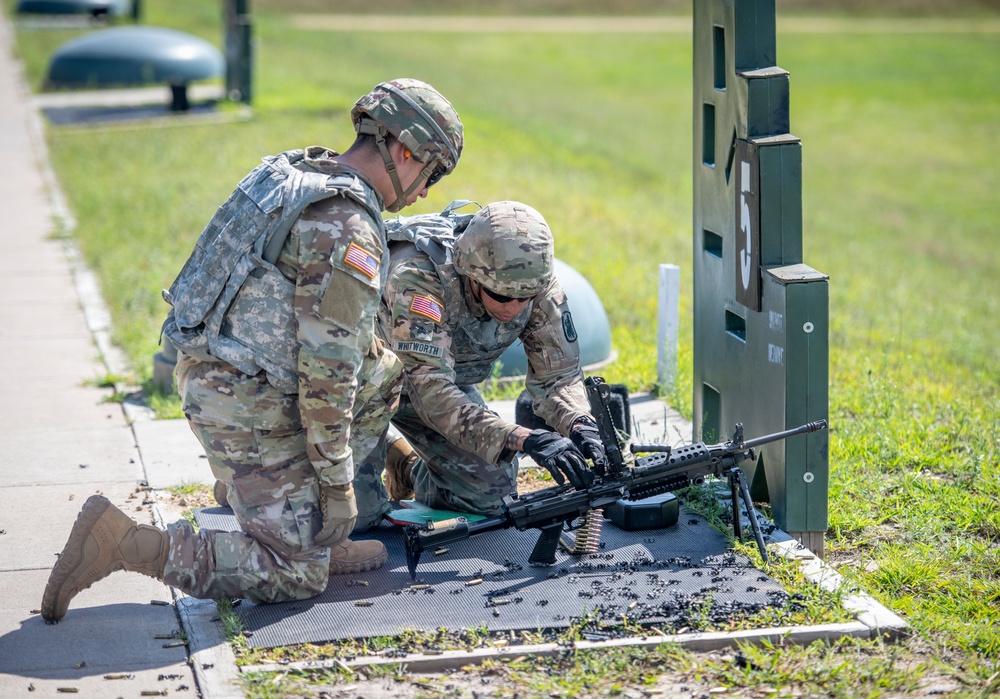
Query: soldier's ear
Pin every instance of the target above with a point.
(402, 155)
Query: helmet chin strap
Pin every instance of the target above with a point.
(390, 167)
(371, 127)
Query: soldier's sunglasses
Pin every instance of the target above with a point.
(500, 298)
(435, 176)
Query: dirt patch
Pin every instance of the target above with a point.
(174, 506)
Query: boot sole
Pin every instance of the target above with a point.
(360, 566)
(71, 556)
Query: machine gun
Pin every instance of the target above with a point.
(665, 469)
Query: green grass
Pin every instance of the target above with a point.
(900, 209)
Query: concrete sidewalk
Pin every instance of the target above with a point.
(62, 443)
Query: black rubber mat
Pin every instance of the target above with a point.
(668, 577)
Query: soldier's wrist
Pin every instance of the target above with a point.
(515, 439)
(336, 475)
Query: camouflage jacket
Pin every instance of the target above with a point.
(445, 338)
(335, 260)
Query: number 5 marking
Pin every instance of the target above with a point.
(745, 224)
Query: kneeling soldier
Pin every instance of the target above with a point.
(280, 374)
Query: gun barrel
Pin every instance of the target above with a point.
(814, 426)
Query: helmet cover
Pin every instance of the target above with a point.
(507, 248)
(418, 116)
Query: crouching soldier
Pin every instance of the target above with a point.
(461, 290)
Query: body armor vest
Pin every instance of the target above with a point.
(476, 343)
(229, 301)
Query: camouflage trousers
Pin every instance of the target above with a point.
(447, 477)
(273, 491)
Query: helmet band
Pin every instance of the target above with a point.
(427, 118)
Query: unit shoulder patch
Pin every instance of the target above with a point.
(568, 328)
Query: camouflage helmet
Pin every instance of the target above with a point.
(507, 247)
(418, 116)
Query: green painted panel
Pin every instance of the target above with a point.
(754, 361)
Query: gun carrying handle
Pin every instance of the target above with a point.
(597, 391)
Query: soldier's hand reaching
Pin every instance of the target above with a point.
(339, 513)
(587, 439)
(559, 456)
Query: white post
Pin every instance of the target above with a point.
(668, 312)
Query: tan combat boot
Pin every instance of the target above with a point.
(356, 556)
(399, 460)
(103, 539)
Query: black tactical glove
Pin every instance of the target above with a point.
(587, 439)
(558, 454)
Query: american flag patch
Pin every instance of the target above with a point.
(362, 260)
(426, 306)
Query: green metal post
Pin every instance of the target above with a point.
(239, 51)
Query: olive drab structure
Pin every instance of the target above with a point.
(229, 301)
(761, 354)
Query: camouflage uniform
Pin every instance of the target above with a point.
(448, 343)
(272, 447)
(273, 433)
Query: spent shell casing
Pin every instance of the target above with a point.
(440, 551)
(419, 586)
(363, 603)
(175, 644)
(474, 581)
